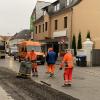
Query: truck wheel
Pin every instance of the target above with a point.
(3, 57)
(19, 60)
(42, 63)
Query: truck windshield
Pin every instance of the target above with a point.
(35, 48)
(14, 49)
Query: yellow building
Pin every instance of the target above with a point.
(55, 25)
(86, 17)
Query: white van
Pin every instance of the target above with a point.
(13, 50)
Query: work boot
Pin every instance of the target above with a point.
(65, 85)
(69, 85)
(51, 75)
(47, 72)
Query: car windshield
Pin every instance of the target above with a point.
(35, 48)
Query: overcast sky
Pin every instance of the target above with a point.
(15, 15)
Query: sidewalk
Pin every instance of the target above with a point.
(86, 82)
(4, 95)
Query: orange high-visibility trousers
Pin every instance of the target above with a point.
(51, 68)
(47, 68)
(34, 67)
(68, 75)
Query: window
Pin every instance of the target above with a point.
(35, 48)
(46, 26)
(57, 7)
(65, 22)
(56, 24)
(36, 29)
(39, 28)
(43, 27)
(44, 12)
(68, 2)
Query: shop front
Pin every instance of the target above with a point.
(62, 38)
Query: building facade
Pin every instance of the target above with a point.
(36, 14)
(63, 18)
(54, 27)
(19, 37)
(86, 17)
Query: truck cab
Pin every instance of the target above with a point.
(26, 47)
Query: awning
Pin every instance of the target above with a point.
(57, 39)
(49, 40)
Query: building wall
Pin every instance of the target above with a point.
(38, 36)
(86, 16)
(42, 35)
(51, 26)
(47, 19)
(37, 13)
(60, 19)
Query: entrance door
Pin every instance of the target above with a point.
(56, 47)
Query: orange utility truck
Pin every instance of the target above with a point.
(27, 46)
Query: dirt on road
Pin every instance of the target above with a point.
(27, 89)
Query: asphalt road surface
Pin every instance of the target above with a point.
(25, 89)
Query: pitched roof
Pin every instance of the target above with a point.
(57, 1)
(5, 38)
(40, 19)
(61, 10)
(73, 3)
(24, 34)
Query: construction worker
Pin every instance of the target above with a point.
(68, 63)
(33, 57)
(51, 60)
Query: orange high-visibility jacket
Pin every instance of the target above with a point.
(68, 58)
(31, 56)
